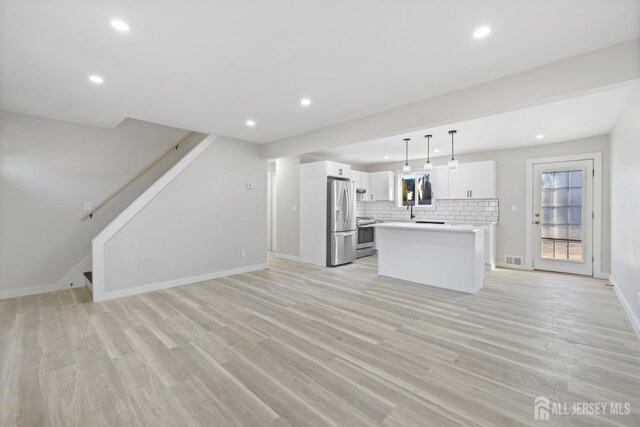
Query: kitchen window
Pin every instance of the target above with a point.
(415, 189)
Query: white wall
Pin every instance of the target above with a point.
(288, 196)
(511, 181)
(48, 169)
(625, 206)
(197, 225)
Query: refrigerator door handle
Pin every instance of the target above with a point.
(348, 192)
(345, 233)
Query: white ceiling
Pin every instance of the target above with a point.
(579, 117)
(210, 65)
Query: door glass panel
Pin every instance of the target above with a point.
(562, 196)
(575, 251)
(560, 179)
(562, 215)
(575, 196)
(575, 179)
(547, 248)
(561, 250)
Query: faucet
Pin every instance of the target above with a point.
(411, 215)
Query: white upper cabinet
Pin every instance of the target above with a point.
(338, 170)
(473, 181)
(440, 182)
(356, 178)
(459, 182)
(483, 180)
(381, 186)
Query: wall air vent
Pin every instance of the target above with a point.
(513, 260)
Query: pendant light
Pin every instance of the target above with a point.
(406, 168)
(428, 167)
(453, 163)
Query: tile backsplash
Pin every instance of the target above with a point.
(485, 210)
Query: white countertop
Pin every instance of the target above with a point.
(462, 228)
(446, 221)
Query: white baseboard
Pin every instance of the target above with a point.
(635, 322)
(173, 283)
(287, 257)
(32, 290)
(75, 276)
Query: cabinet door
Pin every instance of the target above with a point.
(483, 180)
(440, 182)
(381, 184)
(365, 181)
(338, 170)
(356, 177)
(459, 182)
(375, 189)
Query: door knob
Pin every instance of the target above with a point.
(536, 222)
(536, 215)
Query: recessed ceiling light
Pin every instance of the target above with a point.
(539, 136)
(437, 150)
(96, 79)
(386, 157)
(305, 102)
(250, 123)
(481, 32)
(120, 25)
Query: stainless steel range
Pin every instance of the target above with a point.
(366, 236)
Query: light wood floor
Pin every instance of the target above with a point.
(303, 345)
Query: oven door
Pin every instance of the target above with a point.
(366, 236)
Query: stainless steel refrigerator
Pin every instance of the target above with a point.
(342, 236)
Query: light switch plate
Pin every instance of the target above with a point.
(87, 206)
(294, 208)
(514, 208)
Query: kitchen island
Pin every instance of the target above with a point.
(446, 256)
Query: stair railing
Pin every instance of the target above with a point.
(148, 166)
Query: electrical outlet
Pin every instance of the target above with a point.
(514, 208)
(87, 206)
(243, 253)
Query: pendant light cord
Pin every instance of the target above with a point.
(452, 132)
(452, 156)
(406, 151)
(428, 148)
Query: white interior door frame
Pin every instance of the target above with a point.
(274, 211)
(597, 208)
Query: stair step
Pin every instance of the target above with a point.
(89, 276)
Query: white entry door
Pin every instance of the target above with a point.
(563, 217)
